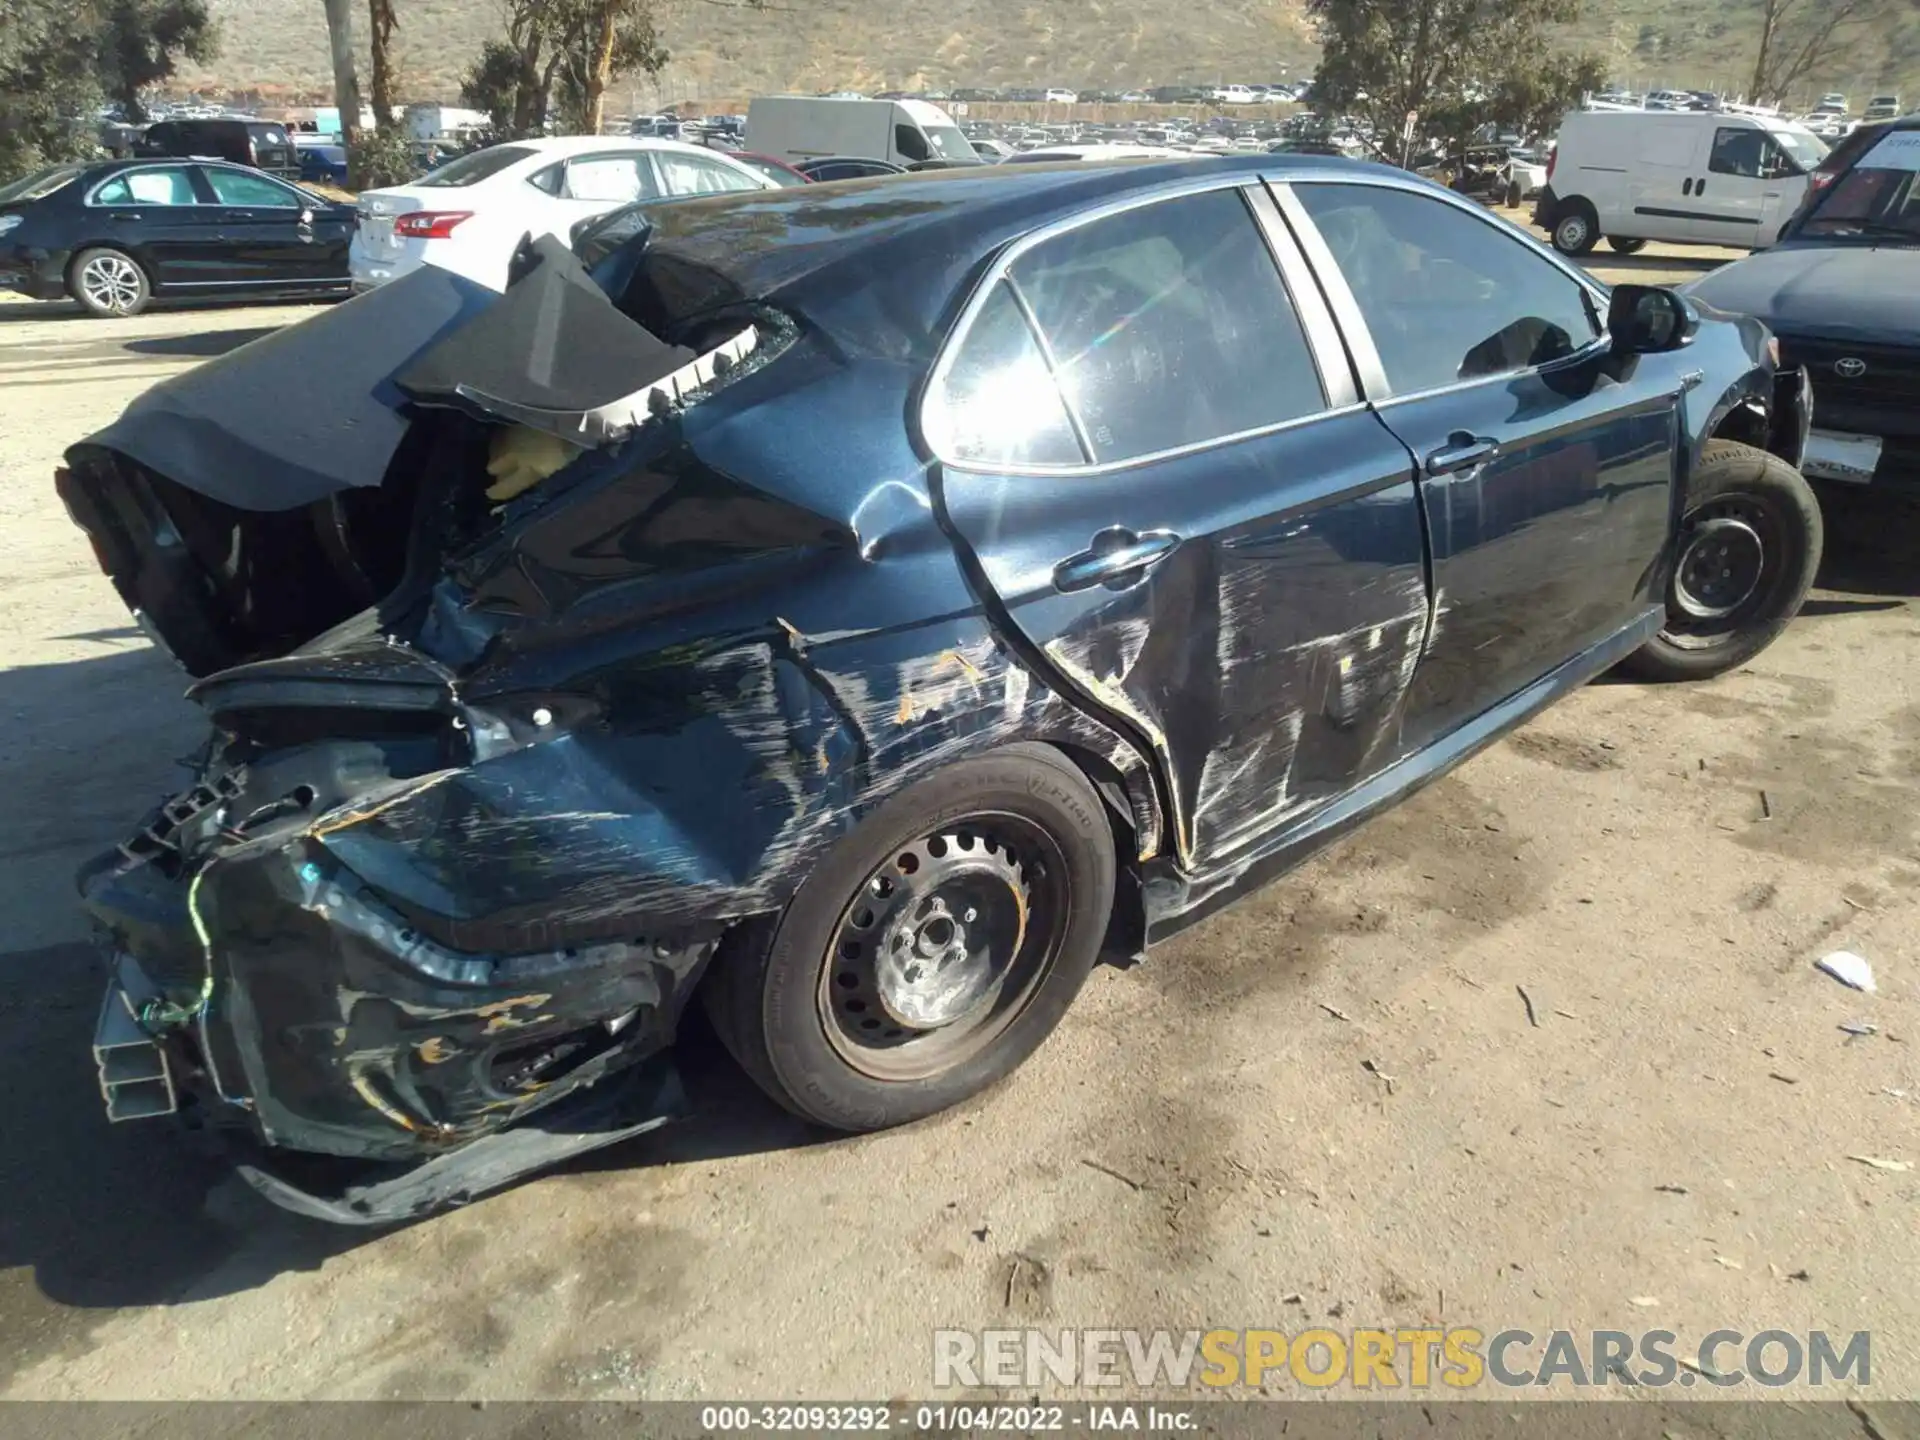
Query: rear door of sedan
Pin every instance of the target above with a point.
(162, 217)
(1547, 464)
(1164, 481)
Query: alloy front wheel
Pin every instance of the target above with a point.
(110, 283)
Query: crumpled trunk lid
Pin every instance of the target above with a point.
(251, 505)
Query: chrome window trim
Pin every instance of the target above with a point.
(1075, 420)
(1338, 389)
(933, 432)
(171, 163)
(1347, 309)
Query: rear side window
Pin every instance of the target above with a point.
(997, 404)
(696, 175)
(472, 169)
(163, 185)
(614, 179)
(1169, 326)
(1447, 296)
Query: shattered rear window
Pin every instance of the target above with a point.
(481, 165)
(715, 251)
(40, 184)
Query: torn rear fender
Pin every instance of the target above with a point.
(423, 923)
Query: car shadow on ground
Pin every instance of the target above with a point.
(23, 312)
(206, 345)
(1872, 547)
(1611, 260)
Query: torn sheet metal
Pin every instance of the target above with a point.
(556, 356)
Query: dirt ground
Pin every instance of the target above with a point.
(1211, 1139)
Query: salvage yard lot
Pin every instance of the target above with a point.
(1539, 1047)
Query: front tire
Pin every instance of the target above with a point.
(109, 283)
(1621, 245)
(932, 951)
(1749, 547)
(1576, 230)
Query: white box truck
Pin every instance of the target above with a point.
(811, 127)
(1688, 177)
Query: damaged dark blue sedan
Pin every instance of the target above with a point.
(857, 609)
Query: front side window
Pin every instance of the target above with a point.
(608, 179)
(947, 143)
(1447, 296)
(997, 404)
(1738, 152)
(236, 187)
(696, 175)
(1170, 326)
(910, 143)
(163, 185)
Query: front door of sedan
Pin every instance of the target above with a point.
(1546, 464)
(1154, 458)
(267, 227)
(156, 214)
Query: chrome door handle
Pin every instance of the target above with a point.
(1462, 452)
(1114, 555)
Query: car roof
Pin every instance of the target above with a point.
(564, 145)
(888, 253)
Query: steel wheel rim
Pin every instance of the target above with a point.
(944, 946)
(1719, 568)
(1573, 232)
(111, 282)
(1738, 533)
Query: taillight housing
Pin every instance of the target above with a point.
(430, 224)
(1553, 159)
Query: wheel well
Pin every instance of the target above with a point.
(1127, 928)
(1575, 205)
(1746, 422)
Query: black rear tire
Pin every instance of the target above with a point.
(1622, 245)
(1749, 548)
(819, 1013)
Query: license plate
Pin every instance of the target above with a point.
(1834, 456)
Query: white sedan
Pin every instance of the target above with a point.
(470, 214)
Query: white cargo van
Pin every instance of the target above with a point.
(1689, 177)
(811, 127)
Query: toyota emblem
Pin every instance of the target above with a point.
(1850, 368)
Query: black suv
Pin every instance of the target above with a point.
(263, 144)
(1841, 290)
